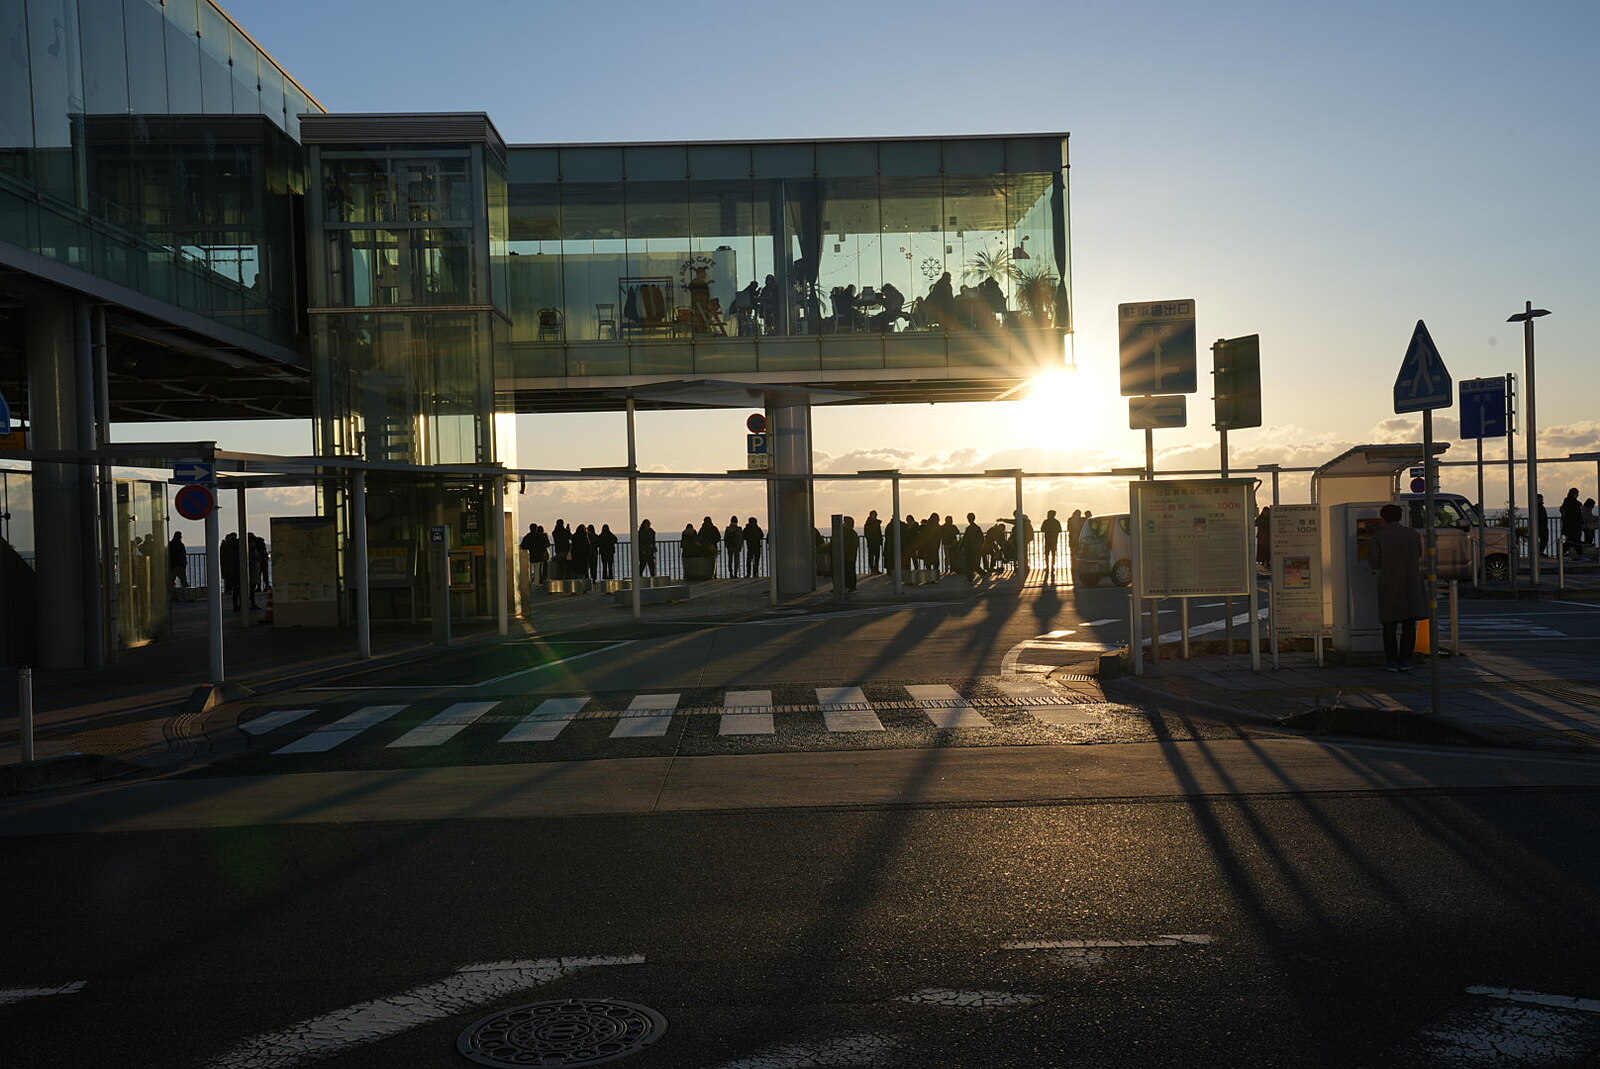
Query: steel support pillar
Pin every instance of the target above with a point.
(793, 545)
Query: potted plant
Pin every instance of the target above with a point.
(1036, 289)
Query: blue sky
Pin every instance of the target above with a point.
(1323, 176)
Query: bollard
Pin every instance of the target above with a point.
(25, 712)
(1455, 618)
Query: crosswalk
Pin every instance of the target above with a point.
(753, 714)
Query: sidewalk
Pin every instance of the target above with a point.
(1545, 697)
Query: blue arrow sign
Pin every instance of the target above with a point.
(194, 472)
(1424, 382)
(1483, 408)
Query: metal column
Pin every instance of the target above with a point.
(360, 580)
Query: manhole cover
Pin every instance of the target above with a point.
(576, 1031)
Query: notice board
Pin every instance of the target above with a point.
(1297, 570)
(1194, 537)
(305, 571)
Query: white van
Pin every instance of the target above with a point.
(1105, 548)
(1456, 531)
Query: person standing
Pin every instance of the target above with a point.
(230, 567)
(1395, 554)
(1590, 522)
(873, 530)
(647, 548)
(733, 543)
(710, 538)
(950, 542)
(606, 547)
(1572, 525)
(1051, 529)
(178, 560)
(526, 546)
(1544, 526)
(1074, 529)
(1264, 537)
(561, 540)
(972, 548)
(753, 535)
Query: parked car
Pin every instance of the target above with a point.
(1104, 549)
(1457, 529)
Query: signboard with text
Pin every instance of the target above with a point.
(1297, 570)
(1194, 537)
(1156, 342)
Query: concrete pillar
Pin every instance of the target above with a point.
(793, 546)
(63, 494)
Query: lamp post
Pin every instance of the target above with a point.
(1526, 318)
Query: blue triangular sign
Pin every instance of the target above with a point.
(1424, 382)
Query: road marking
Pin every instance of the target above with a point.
(847, 709)
(444, 727)
(22, 994)
(1560, 1002)
(273, 721)
(1215, 625)
(865, 1048)
(552, 664)
(748, 712)
(547, 721)
(324, 739)
(968, 1000)
(323, 1037)
(648, 717)
(1103, 623)
(946, 708)
(1516, 1028)
(1087, 953)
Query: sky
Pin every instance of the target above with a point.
(1321, 175)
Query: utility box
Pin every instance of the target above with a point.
(1354, 589)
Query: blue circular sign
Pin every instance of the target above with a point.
(195, 502)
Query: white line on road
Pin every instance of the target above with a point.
(445, 726)
(942, 704)
(1560, 1002)
(342, 730)
(22, 994)
(846, 709)
(272, 721)
(862, 1049)
(547, 721)
(1085, 944)
(648, 717)
(747, 712)
(1102, 623)
(1214, 625)
(552, 664)
(474, 985)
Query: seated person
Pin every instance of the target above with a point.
(893, 302)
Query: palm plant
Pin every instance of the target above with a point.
(997, 265)
(1036, 288)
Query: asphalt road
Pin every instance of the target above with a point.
(1341, 930)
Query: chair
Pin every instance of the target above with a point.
(549, 324)
(606, 316)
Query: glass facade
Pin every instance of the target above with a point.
(125, 152)
(710, 259)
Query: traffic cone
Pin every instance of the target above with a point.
(267, 619)
(1424, 637)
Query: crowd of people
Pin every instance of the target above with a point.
(578, 551)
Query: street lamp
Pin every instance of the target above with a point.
(1526, 318)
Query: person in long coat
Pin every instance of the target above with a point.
(605, 544)
(753, 536)
(647, 548)
(1395, 554)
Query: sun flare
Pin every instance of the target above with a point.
(1060, 412)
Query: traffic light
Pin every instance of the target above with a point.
(1236, 363)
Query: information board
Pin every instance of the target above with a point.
(1194, 536)
(1297, 605)
(305, 571)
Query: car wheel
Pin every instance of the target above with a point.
(1497, 567)
(1122, 574)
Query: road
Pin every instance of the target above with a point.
(1062, 883)
(1336, 930)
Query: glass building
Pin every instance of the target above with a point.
(185, 234)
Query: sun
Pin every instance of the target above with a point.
(1060, 411)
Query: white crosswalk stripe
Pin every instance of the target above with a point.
(945, 707)
(547, 721)
(846, 709)
(342, 730)
(273, 721)
(747, 712)
(649, 716)
(444, 727)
